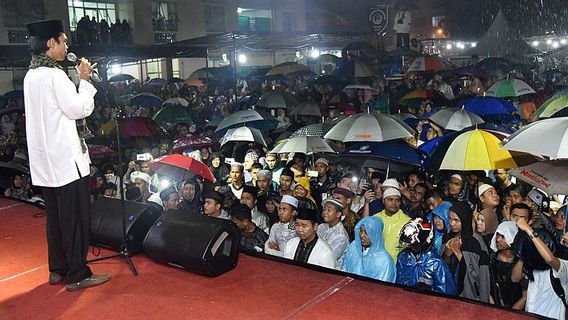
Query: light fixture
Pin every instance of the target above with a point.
(449, 46)
(563, 41)
(549, 41)
(535, 43)
(555, 44)
(239, 10)
(474, 44)
(242, 58)
(315, 54)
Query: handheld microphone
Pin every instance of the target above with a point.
(73, 58)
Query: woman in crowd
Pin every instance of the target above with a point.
(18, 189)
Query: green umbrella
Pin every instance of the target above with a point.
(551, 106)
(174, 113)
(509, 88)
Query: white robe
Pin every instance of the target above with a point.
(52, 106)
(321, 254)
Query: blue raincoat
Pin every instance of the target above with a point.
(443, 212)
(427, 267)
(376, 263)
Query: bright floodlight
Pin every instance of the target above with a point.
(116, 69)
(449, 46)
(555, 44)
(535, 43)
(474, 44)
(242, 58)
(315, 53)
(549, 41)
(563, 41)
(239, 10)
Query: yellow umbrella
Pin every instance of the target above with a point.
(107, 127)
(480, 150)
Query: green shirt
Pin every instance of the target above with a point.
(391, 230)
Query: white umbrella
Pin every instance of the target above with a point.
(278, 146)
(550, 175)
(369, 127)
(307, 108)
(404, 115)
(455, 119)
(253, 118)
(277, 100)
(548, 137)
(244, 134)
(177, 100)
(307, 145)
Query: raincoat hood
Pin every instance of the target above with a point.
(508, 229)
(305, 183)
(443, 212)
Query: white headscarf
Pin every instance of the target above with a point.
(508, 229)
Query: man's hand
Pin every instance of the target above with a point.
(369, 196)
(272, 245)
(523, 225)
(85, 68)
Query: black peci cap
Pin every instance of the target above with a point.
(45, 29)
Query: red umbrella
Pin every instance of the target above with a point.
(134, 127)
(194, 142)
(97, 151)
(181, 167)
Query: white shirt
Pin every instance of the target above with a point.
(280, 233)
(337, 238)
(321, 254)
(541, 298)
(260, 219)
(237, 193)
(52, 106)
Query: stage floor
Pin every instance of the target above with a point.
(256, 289)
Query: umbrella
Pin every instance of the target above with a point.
(353, 88)
(367, 127)
(174, 113)
(415, 98)
(243, 134)
(328, 58)
(133, 127)
(307, 145)
(491, 64)
(313, 130)
(121, 77)
(307, 108)
(176, 101)
(99, 151)
(552, 106)
(146, 100)
(328, 80)
(483, 106)
(475, 150)
(455, 118)
(354, 69)
(550, 175)
(195, 82)
(404, 115)
(469, 71)
(201, 74)
(181, 167)
(158, 82)
(193, 142)
(277, 100)
(509, 88)
(560, 113)
(395, 150)
(14, 94)
(430, 63)
(288, 68)
(548, 137)
(13, 168)
(278, 146)
(252, 118)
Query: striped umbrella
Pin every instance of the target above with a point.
(509, 88)
(307, 145)
(548, 137)
(430, 63)
(476, 150)
(367, 127)
(416, 97)
(551, 106)
(313, 130)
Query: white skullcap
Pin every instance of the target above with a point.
(139, 174)
(392, 183)
(289, 200)
(391, 192)
(484, 187)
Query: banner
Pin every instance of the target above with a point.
(379, 18)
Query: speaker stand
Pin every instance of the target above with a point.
(124, 247)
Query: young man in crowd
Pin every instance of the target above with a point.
(286, 181)
(321, 184)
(285, 229)
(252, 237)
(248, 198)
(274, 165)
(349, 218)
(213, 205)
(394, 219)
(170, 198)
(237, 179)
(307, 247)
(490, 201)
(332, 230)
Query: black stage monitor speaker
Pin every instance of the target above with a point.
(197, 243)
(106, 223)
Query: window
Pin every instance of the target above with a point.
(438, 21)
(254, 20)
(99, 10)
(214, 19)
(18, 36)
(153, 68)
(176, 68)
(164, 17)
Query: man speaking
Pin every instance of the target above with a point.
(58, 155)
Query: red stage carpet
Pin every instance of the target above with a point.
(256, 289)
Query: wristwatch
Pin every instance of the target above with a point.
(533, 235)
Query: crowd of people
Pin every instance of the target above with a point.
(473, 234)
(91, 32)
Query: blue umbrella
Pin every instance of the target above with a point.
(430, 146)
(146, 100)
(14, 94)
(394, 150)
(483, 106)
